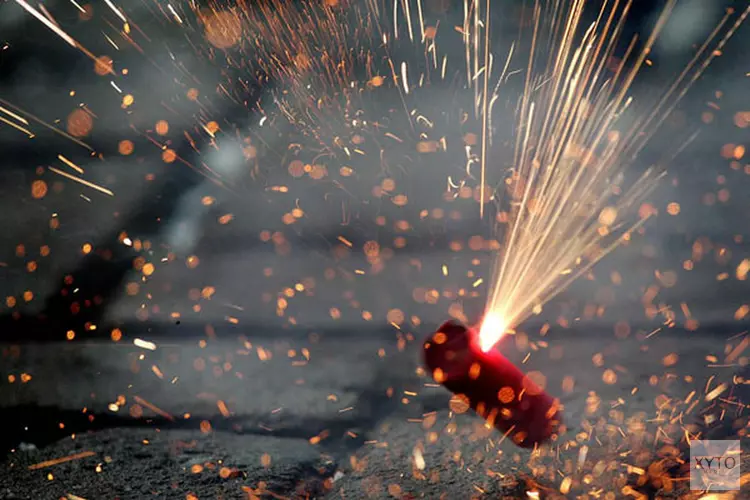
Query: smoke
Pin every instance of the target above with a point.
(689, 23)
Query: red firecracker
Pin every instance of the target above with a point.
(494, 388)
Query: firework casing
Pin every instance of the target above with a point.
(494, 388)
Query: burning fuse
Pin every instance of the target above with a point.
(496, 390)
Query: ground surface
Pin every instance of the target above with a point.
(259, 419)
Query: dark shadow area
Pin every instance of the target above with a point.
(42, 426)
(86, 292)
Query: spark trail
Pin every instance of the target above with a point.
(567, 205)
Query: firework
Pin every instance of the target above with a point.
(494, 388)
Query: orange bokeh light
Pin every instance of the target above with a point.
(79, 123)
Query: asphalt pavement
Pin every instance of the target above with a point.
(342, 417)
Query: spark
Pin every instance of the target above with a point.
(485, 114)
(419, 460)
(13, 115)
(716, 392)
(82, 181)
(47, 125)
(404, 78)
(153, 408)
(116, 10)
(144, 344)
(70, 164)
(77, 6)
(31, 10)
(61, 460)
(742, 269)
(16, 126)
(174, 13)
(111, 42)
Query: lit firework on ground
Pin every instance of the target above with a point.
(555, 183)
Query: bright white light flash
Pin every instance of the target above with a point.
(492, 330)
